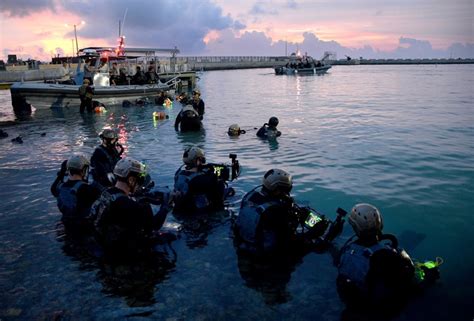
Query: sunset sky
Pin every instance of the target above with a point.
(40, 29)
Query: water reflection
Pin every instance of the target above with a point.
(80, 245)
(272, 143)
(193, 138)
(136, 281)
(270, 277)
(133, 279)
(198, 227)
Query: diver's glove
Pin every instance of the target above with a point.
(427, 273)
(120, 149)
(157, 196)
(111, 177)
(63, 170)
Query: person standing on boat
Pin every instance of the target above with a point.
(269, 130)
(123, 78)
(105, 157)
(151, 76)
(75, 196)
(114, 74)
(198, 103)
(89, 71)
(139, 78)
(86, 94)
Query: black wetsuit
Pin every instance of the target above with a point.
(86, 93)
(152, 77)
(187, 121)
(201, 191)
(125, 226)
(199, 107)
(268, 132)
(139, 78)
(265, 224)
(103, 161)
(76, 213)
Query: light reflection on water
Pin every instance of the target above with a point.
(397, 136)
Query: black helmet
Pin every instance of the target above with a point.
(273, 121)
(108, 134)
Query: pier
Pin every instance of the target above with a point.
(185, 66)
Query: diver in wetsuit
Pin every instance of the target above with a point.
(234, 130)
(125, 223)
(198, 188)
(270, 222)
(188, 120)
(269, 130)
(75, 196)
(198, 103)
(104, 158)
(374, 273)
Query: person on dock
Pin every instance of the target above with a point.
(75, 196)
(269, 130)
(105, 157)
(86, 94)
(198, 103)
(188, 120)
(124, 221)
(270, 223)
(374, 273)
(197, 187)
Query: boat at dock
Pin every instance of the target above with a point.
(51, 95)
(65, 92)
(303, 65)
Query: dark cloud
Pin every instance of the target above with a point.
(263, 8)
(151, 23)
(23, 8)
(238, 25)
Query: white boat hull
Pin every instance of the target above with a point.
(43, 95)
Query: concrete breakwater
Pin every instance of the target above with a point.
(44, 72)
(219, 63)
(203, 63)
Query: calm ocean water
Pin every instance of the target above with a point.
(399, 137)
